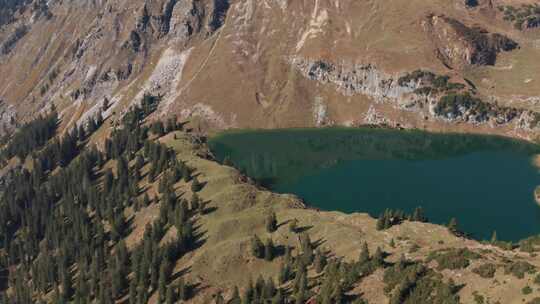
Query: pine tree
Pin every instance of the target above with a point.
(271, 222)
(278, 298)
(453, 226)
(186, 174)
(146, 200)
(67, 287)
(235, 299)
(257, 247)
(378, 257)
(381, 222)
(196, 185)
(195, 202)
(269, 290)
(418, 215)
(220, 299)
(133, 292)
(307, 249)
(269, 250)
(293, 226)
(249, 293)
(364, 254)
(164, 273)
(284, 273)
(320, 261)
(494, 237)
(183, 290)
(337, 295)
(170, 299)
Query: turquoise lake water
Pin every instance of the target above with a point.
(486, 182)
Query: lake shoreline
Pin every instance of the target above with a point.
(423, 168)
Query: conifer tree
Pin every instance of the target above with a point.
(378, 257)
(164, 273)
(196, 185)
(235, 298)
(381, 222)
(67, 287)
(195, 202)
(183, 290)
(269, 250)
(171, 298)
(418, 215)
(453, 226)
(293, 225)
(257, 247)
(220, 299)
(271, 222)
(186, 174)
(320, 261)
(494, 237)
(364, 254)
(249, 293)
(132, 292)
(278, 298)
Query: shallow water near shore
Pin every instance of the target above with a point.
(486, 182)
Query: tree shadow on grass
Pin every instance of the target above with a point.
(181, 273)
(303, 229)
(316, 244)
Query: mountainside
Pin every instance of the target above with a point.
(110, 194)
(440, 65)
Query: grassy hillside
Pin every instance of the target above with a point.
(154, 219)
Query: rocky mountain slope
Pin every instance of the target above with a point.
(275, 63)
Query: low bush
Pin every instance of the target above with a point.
(453, 258)
(486, 270)
(519, 269)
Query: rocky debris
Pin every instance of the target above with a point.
(10, 10)
(415, 91)
(166, 77)
(219, 13)
(206, 113)
(352, 79)
(8, 116)
(458, 45)
(372, 117)
(320, 112)
(12, 39)
(528, 120)
(40, 8)
(186, 19)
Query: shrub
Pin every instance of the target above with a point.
(486, 270)
(478, 298)
(453, 258)
(526, 290)
(534, 301)
(519, 269)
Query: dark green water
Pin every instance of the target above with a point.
(486, 182)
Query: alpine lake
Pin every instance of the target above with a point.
(486, 182)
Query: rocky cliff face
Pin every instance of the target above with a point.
(246, 63)
(459, 46)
